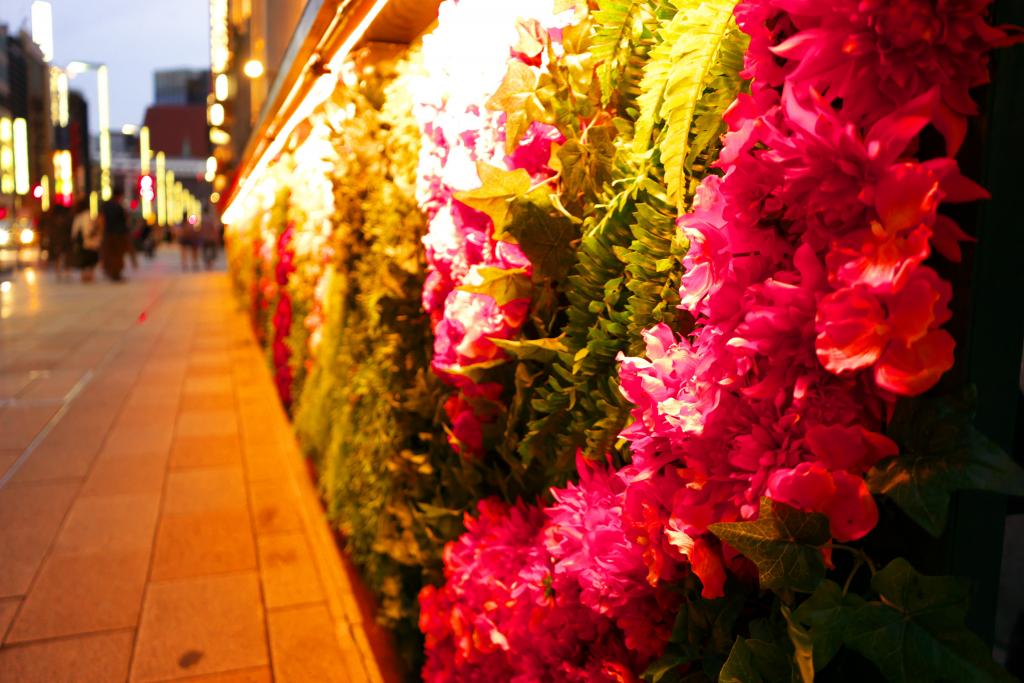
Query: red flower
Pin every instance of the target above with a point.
(843, 498)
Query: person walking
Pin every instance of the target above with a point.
(189, 239)
(60, 239)
(115, 235)
(209, 234)
(86, 238)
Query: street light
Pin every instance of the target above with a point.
(253, 68)
(103, 94)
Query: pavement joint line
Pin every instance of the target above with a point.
(69, 398)
(52, 423)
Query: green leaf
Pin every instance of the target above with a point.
(434, 511)
(825, 613)
(543, 350)
(803, 646)
(546, 237)
(499, 187)
(941, 452)
(517, 97)
(502, 285)
(662, 666)
(679, 71)
(739, 667)
(586, 166)
(917, 632)
(784, 543)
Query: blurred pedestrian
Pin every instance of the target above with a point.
(87, 238)
(209, 234)
(60, 239)
(116, 239)
(189, 240)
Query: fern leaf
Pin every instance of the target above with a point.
(681, 68)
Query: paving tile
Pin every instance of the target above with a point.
(260, 675)
(30, 515)
(264, 468)
(83, 593)
(53, 385)
(304, 646)
(100, 658)
(206, 423)
(209, 378)
(273, 508)
(204, 543)
(98, 524)
(11, 383)
(112, 476)
(57, 460)
(287, 571)
(138, 440)
(7, 458)
(200, 626)
(19, 424)
(8, 607)
(206, 451)
(204, 489)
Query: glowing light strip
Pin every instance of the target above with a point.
(63, 179)
(220, 50)
(21, 178)
(220, 87)
(42, 28)
(144, 156)
(6, 156)
(171, 198)
(313, 98)
(44, 200)
(63, 108)
(103, 94)
(161, 189)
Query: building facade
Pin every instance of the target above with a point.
(179, 87)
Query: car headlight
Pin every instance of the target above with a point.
(5, 237)
(27, 235)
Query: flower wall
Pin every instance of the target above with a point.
(613, 331)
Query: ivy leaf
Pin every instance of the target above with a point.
(499, 187)
(585, 167)
(784, 543)
(477, 371)
(917, 631)
(662, 666)
(546, 237)
(941, 452)
(803, 646)
(739, 667)
(532, 38)
(543, 350)
(826, 613)
(501, 284)
(517, 97)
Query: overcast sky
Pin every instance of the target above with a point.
(133, 37)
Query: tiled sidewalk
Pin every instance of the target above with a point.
(156, 519)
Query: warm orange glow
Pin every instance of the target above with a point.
(253, 68)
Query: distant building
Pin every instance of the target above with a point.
(25, 93)
(76, 138)
(181, 87)
(182, 134)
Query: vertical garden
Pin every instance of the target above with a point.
(622, 335)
